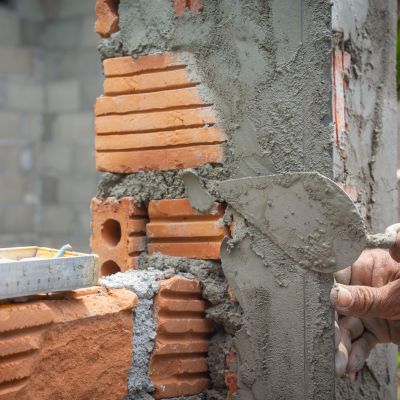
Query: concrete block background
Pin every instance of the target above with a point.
(50, 75)
(63, 96)
(10, 30)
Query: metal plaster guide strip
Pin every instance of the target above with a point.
(27, 277)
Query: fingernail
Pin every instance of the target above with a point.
(344, 298)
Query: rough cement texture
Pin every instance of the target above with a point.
(157, 185)
(267, 69)
(367, 31)
(260, 284)
(111, 46)
(220, 343)
(209, 273)
(222, 311)
(198, 196)
(303, 214)
(144, 284)
(242, 71)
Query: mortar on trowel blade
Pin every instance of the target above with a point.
(308, 216)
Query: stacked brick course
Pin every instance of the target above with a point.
(179, 363)
(152, 117)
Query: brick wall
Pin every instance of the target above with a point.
(50, 75)
(62, 346)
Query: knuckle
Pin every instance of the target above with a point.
(364, 300)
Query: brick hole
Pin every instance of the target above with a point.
(111, 232)
(110, 267)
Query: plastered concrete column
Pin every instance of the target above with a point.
(263, 73)
(365, 145)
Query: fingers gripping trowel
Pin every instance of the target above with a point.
(308, 216)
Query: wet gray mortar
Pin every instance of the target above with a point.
(144, 285)
(236, 53)
(144, 282)
(227, 315)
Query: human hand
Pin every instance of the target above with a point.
(368, 298)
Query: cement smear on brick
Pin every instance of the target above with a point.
(111, 47)
(267, 69)
(220, 345)
(156, 185)
(198, 196)
(366, 31)
(222, 311)
(243, 74)
(144, 284)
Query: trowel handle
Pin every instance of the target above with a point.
(384, 240)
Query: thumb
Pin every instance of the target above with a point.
(366, 301)
(395, 249)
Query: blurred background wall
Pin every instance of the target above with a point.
(50, 75)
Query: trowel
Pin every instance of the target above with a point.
(308, 216)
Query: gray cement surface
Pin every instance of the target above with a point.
(227, 316)
(367, 31)
(266, 67)
(253, 63)
(222, 311)
(144, 284)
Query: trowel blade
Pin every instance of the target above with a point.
(306, 214)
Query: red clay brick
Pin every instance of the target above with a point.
(176, 229)
(338, 96)
(180, 208)
(179, 364)
(148, 101)
(351, 191)
(231, 375)
(121, 66)
(153, 117)
(129, 161)
(62, 348)
(155, 121)
(106, 17)
(151, 82)
(118, 233)
(232, 296)
(150, 140)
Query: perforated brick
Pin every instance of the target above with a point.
(118, 233)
